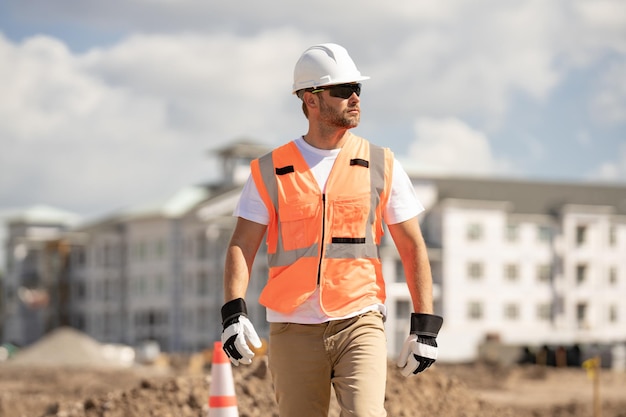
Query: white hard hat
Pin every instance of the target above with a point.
(325, 64)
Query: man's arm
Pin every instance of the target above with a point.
(240, 255)
(408, 238)
(237, 328)
(419, 350)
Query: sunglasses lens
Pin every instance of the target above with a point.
(344, 90)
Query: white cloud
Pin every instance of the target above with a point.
(133, 122)
(454, 58)
(67, 134)
(597, 27)
(458, 57)
(473, 61)
(611, 170)
(210, 81)
(609, 102)
(449, 146)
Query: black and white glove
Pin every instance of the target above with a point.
(237, 331)
(420, 347)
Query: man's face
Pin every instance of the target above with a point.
(340, 112)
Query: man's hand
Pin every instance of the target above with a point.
(420, 347)
(237, 331)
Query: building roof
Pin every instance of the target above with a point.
(43, 214)
(532, 197)
(242, 148)
(177, 205)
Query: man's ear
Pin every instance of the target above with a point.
(310, 99)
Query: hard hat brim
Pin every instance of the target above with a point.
(313, 84)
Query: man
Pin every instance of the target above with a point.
(322, 200)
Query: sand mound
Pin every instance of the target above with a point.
(66, 346)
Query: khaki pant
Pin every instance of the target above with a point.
(351, 354)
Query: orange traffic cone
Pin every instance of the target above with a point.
(222, 399)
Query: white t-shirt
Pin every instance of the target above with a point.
(401, 206)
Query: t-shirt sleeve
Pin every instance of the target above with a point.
(403, 203)
(251, 206)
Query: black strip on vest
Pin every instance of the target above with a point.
(351, 240)
(284, 170)
(360, 162)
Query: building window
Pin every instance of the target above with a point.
(203, 283)
(188, 247)
(188, 287)
(511, 272)
(581, 314)
(204, 320)
(544, 234)
(613, 314)
(107, 255)
(138, 286)
(403, 309)
(512, 232)
(612, 236)
(581, 235)
(544, 311)
(475, 270)
(160, 249)
(613, 275)
(142, 251)
(511, 311)
(559, 305)
(474, 231)
(399, 277)
(202, 246)
(544, 273)
(474, 310)
(581, 273)
(187, 319)
(81, 292)
(106, 289)
(160, 284)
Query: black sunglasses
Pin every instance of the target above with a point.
(341, 90)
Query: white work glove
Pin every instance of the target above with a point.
(420, 347)
(237, 332)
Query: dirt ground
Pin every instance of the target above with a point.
(63, 386)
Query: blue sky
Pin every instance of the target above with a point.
(106, 105)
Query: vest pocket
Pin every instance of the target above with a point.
(298, 225)
(349, 220)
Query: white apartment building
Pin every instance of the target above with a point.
(531, 263)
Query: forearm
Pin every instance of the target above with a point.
(419, 279)
(236, 274)
(238, 330)
(240, 255)
(419, 351)
(414, 256)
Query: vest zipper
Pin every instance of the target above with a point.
(319, 266)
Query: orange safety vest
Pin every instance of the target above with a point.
(330, 239)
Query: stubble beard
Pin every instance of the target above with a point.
(338, 119)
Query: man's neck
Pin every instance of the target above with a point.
(327, 140)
